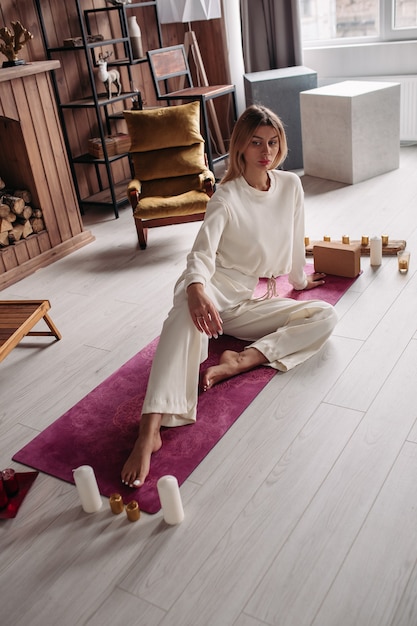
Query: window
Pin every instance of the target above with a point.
(405, 14)
(345, 21)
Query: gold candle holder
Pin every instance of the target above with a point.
(306, 241)
(384, 239)
(403, 257)
(132, 511)
(116, 503)
(326, 238)
(365, 240)
(345, 239)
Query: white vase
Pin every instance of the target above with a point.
(135, 37)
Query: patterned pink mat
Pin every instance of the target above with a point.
(101, 429)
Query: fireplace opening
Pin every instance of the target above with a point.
(20, 213)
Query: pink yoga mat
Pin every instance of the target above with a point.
(100, 430)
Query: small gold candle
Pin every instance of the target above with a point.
(326, 238)
(132, 511)
(403, 261)
(384, 239)
(345, 239)
(116, 503)
(365, 240)
(306, 241)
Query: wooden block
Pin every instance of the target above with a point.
(115, 144)
(95, 147)
(122, 141)
(338, 259)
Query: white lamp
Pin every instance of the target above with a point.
(173, 11)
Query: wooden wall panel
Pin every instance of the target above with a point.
(61, 19)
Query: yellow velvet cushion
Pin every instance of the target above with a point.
(188, 203)
(164, 127)
(169, 162)
(172, 186)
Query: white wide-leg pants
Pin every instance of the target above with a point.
(285, 331)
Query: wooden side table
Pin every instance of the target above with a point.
(18, 317)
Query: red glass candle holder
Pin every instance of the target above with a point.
(4, 500)
(10, 481)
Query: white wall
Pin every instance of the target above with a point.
(372, 59)
(231, 12)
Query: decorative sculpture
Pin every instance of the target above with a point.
(13, 42)
(108, 76)
(116, 2)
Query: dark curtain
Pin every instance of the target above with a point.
(271, 34)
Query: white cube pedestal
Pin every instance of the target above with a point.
(351, 130)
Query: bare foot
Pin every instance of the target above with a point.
(136, 468)
(230, 364)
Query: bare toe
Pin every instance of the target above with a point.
(137, 466)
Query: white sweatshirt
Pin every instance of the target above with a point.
(249, 234)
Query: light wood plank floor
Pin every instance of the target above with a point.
(304, 513)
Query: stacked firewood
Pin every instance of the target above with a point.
(18, 219)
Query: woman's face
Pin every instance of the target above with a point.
(262, 149)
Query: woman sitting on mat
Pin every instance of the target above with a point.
(253, 227)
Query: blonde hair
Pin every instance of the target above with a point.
(254, 116)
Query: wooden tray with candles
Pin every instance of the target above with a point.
(390, 247)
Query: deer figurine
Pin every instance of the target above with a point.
(108, 76)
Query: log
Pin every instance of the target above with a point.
(16, 204)
(20, 231)
(26, 213)
(5, 225)
(4, 239)
(37, 224)
(27, 229)
(24, 194)
(37, 213)
(14, 235)
(4, 210)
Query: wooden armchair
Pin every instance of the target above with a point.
(171, 184)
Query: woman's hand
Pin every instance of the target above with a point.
(203, 312)
(315, 280)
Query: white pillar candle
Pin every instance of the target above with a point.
(87, 488)
(375, 250)
(170, 497)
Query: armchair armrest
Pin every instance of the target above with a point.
(207, 182)
(133, 191)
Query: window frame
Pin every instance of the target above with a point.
(388, 32)
(386, 28)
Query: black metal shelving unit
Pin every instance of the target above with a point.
(110, 193)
